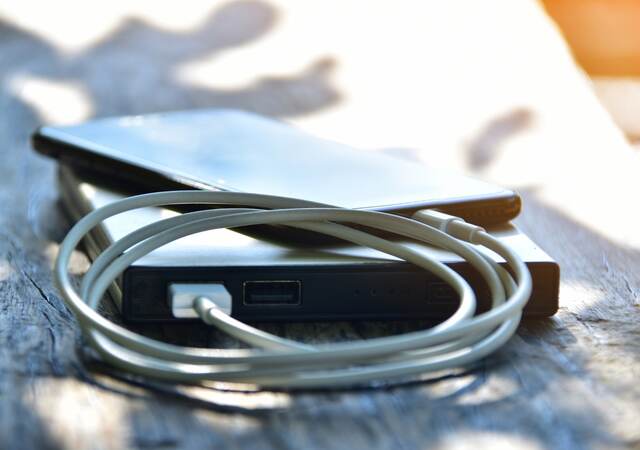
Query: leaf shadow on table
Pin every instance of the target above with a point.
(135, 69)
(485, 146)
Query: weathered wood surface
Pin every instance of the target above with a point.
(483, 86)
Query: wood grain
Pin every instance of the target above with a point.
(442, 79)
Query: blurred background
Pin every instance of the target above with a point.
(604, 37)
(509, 90)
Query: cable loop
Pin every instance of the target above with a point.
(279, 362)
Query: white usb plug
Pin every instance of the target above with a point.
(182, 297)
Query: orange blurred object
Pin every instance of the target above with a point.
(603, 34)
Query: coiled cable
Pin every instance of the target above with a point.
(276, 361)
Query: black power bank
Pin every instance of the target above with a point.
(270, 281)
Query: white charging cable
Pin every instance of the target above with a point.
(279, 362)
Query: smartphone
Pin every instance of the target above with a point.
(229, 150)
(276, 281)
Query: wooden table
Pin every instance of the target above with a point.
(485, 87)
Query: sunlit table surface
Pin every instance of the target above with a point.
(487, 88)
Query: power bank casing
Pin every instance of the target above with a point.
(331, 282)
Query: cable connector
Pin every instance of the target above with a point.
(452, 225)
(183, 295)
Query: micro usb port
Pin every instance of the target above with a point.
(272, 293)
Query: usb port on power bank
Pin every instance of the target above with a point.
(272, 293)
